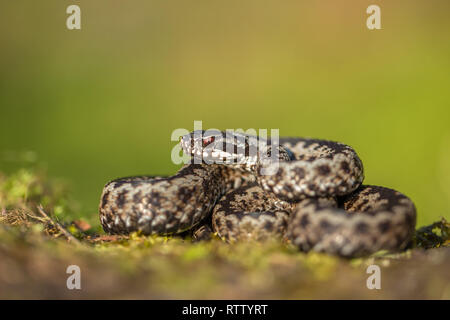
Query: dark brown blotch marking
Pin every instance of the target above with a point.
(304, 221)
(268, 226)
(120, 200)
(409, 220)
(288, 188)
(155, 198)
(299, 172)
(137, 198)
(323, 170)
(362, 227)
(255, 196)
(345, 167)
(384, 226)
(324, 224)
(184, 194)
(362, 204)
(120, 183)
(105, 198)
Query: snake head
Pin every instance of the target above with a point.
(239, 150)
(221, 147)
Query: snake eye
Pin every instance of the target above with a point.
(208, 141)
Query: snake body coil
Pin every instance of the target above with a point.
(307, 191)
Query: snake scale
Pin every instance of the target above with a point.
(311, 196)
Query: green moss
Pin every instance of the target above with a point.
(433, 236)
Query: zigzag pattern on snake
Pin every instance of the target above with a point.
(311, 195)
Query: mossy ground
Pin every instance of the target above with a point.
(35, 253)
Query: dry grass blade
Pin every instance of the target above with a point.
(66, 233)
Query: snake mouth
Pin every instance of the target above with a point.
(186, 144)
(200, 144)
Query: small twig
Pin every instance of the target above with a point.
(66, 233)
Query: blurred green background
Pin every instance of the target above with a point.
(101, 102)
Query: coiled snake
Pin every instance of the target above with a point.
(311, 195)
